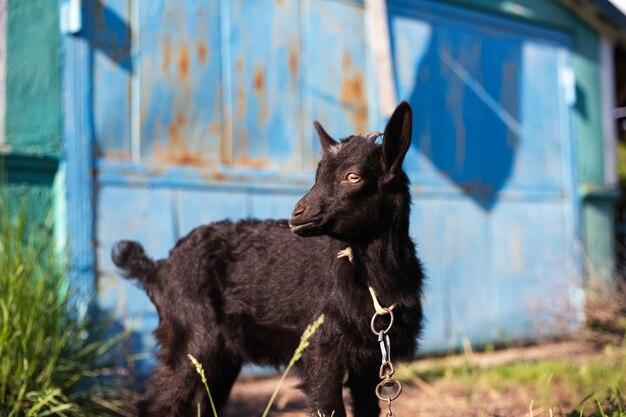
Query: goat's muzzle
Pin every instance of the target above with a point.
(304, 219)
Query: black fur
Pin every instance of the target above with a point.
(232, 293)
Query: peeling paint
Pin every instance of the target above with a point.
(240, 92)
(167, 54)
(353, 94)
(215, 127)
(346, 61)
(257, 163)
(293, 62)
(183, 62)
(116, 156)
(259, 80)
(214, 176)
(241, 102)
(259, 88)
(243, 143)
(178, 151)
(203, 52)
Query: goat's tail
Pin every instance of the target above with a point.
(132, 261)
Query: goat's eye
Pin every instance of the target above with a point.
(353, 178)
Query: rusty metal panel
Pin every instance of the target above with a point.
(338, 76)
(215, 84)
(209, 104)
(265, 63)
(179, 84)
(107, 28)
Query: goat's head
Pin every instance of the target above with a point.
(359, 184)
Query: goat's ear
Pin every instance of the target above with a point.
(397, 139)
(325, 139)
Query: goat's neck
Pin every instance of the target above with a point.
(387, 263)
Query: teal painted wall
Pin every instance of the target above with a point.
(27, 184)
(29, 166)
(33, 68)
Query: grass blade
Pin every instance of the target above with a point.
(304, 343)
(200, 371)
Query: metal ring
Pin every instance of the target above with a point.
(388, 383)
(372, 323)
(381, 372)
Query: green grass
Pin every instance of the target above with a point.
(572, 388)
(47, 360)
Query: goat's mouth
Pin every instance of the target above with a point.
(305, 228)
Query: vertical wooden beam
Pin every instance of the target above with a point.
(78, 145)
(380, 46)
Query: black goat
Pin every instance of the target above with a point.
(231, 293)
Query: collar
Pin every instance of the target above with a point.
(347, 253)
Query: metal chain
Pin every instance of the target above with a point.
(388, 389)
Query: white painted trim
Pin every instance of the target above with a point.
(620, 4)
(3, 62)
(607, 88)
(380, 45)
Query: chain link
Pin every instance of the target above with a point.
(388, 389)
(389, 412)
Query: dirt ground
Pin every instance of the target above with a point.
(443, 398)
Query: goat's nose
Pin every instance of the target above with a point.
(298, 209)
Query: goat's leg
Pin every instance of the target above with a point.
(177, 392)
(362, 385)
(170, 391)
(322, 382)
(221, 375)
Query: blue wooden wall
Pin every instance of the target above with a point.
(491, 165)
(203, 110)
